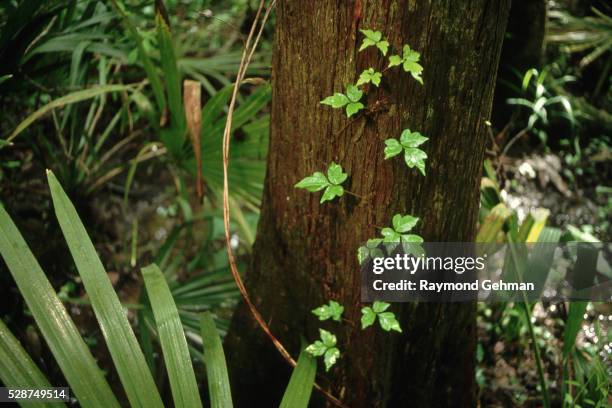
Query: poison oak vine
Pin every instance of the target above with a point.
(398, 233)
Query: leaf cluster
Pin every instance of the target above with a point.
(408, 143)
(331, 183)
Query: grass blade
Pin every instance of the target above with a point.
(172, 338)
(156, 85)
(122, 344)
(172, 76)
(216, 368)
(17, 370)
(300, 385)
(72, 355)
(71, 98)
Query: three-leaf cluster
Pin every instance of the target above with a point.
(408, 143)
(378, 311)
(350, 100)
(331, 183)
(409, 61)
(325, 347)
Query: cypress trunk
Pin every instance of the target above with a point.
(305, 252)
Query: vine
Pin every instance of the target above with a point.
(401, 225)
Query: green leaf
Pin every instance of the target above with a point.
(333, 310)
(362, 254)
(71, 98)
(313, 183)
(390, 235)
(335, 174)
(412, 139)
(17, 370)
(331, 356)
(368, 317)
(415, 158)
(383, 46)
(172, 77)
(143, 57)
(367, 42)
(337, 100)
(317, 348)
(216, 368)
(328, 339)
(379, 307)
(374, 38)
(404, 223)
(388, 322)
(353, 93)
(332, 192)
(297, 394)
(122, 344)
(369, 75)
(353, 108)
(70, 351)
(172, 338)
(372, 35)
(393, 148)
(394, 60)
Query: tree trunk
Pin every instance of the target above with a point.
(305, 252)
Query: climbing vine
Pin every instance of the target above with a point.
(399, 233)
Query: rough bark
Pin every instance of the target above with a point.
(305, 253)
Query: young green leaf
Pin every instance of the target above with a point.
(333, 310)
(395, 60)
(337, 100)
(388, 322)
(313, 183)
(317, 348)
(332, 192)
(353, 93)
(412, 139)
(415, 158)
(331, 356)
(352, 108)
(404, 223)
(335, 174)
(368, 317)
(369, 75)
(380, 307)
(393, 148)
(390, 235)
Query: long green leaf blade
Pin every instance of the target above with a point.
(122, 344)
(72, 355)
(216, 368)
(172, 338)
(172, 77)
(300, 385)
(17, 370)
(156, 85)
(71, 98)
